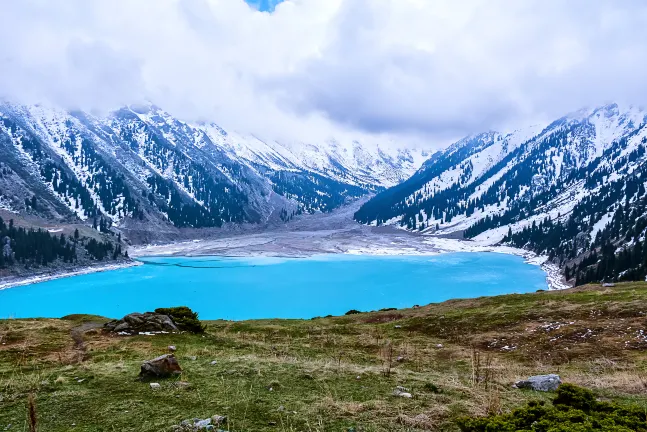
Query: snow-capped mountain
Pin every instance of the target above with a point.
(142, 167)
(571, 177)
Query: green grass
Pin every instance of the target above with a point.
(330, 374)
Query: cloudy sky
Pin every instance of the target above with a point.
(423, 69)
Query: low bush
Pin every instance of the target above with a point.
(574, 409)
(185, 319)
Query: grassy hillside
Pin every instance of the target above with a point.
(331, 374)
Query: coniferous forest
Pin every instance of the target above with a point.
(30, 247)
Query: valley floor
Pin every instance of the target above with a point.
(307, 235)
(337, 233)
(329, 233)
(331, 374)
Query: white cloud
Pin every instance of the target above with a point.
(407, 68)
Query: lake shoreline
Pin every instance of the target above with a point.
(17, 281)
(554, 278)
(272, 287)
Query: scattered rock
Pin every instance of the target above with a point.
(162, 366)
(398, 327)
(608, 285)
(213, 363)
(155, 386)
(540, 383)
(197, 424)
(172, 348)
(203, 424)
(192, 358)
(182, 385)
(402, 392)
(401, 359)
(136, 323)
(439, 346)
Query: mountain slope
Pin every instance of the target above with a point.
(571, 178)
(139, 168)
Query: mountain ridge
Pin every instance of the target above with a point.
(140, 163)
(590, 154)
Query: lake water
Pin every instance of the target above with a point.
(245, 288)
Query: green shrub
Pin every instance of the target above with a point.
(353, 312)
(574, 409)
(185, 319)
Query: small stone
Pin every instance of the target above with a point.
(398, 327)
(155, 386)
(439, 346)
(213, 363)
(202, 424)
(172, 348)
(281, 408)
(400, 359)
(182, 384)
(358, 377)
(192, 358)
(402, 392)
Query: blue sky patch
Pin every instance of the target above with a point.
(264, 5)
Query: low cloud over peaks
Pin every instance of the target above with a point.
(397, 67)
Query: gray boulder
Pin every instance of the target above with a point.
(543, 383)
(135, 323)
(162, 366)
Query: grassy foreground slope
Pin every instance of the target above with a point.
(331, 374)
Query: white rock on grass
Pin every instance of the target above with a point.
(402, 392)
(543, 383)
(155, 386)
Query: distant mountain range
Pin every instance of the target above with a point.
(573, 190)
(141, 169)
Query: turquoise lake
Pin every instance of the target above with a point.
(246, 288)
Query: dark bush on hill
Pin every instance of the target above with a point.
(184, 318)
(574, 409)
(353, 312)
